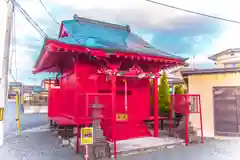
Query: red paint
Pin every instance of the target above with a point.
(155, 94)
(73, 50)
(186, 119)
(200, 112)
(138, 100)
(81, 82)
(181, 104)
(114, 96)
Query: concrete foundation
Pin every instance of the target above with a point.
(65, 142)
(141, 145)
(145, 144)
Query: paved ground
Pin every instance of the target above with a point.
(44, 145)
(41, 144)
(35, 146)
(27, 120)
(211, 150)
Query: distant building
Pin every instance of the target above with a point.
(46, 83)
(229, 58)
(13, 88)
(33, 94)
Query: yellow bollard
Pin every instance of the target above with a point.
(17, 112)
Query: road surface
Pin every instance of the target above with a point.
(27, 120)
(42, 144)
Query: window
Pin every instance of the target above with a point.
(231, 65)
(227, 65)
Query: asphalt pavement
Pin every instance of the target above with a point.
(35, 146)
(43, 145)
(211, 150)
(27, 121)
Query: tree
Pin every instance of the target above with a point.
(178, 89)
(164, 95)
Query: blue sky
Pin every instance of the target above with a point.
(170, 30)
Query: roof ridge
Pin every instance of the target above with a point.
(106, 24)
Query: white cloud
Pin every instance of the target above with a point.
(23, 64)
(229, 38)
(141, 12)
(24, 60)
(147, 37)
(134, 12)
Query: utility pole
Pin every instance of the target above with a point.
(5, 66)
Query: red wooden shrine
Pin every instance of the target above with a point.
(116, 77)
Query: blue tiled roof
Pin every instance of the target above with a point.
(97, 35)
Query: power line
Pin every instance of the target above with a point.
(29, 19)
(49, 12)
(13, 52)
(15, 43)
(193, 12)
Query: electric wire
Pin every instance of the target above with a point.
(193, 12)
(49, 12)
(17, 6)
(13, 47)
(29, 19)
(15, 40)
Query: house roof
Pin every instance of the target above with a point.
(225, 52)
(108, 37)
(209, 71)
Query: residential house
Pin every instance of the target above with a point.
(219, 89)
(229, 58)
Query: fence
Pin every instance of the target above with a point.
(186, 104)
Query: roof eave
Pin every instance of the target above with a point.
(214, 57)
(209, 71)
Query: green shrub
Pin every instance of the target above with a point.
(178, 89)
(164, 95)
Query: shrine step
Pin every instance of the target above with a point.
(145, 144)
(129, 147)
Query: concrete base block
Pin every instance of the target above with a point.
(55, 132)
(65, 142)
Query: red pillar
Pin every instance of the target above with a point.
(155, 102)
(114, 114)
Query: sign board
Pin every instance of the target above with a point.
(86, 135)
(1, 113)
(122, 117)
(15, 84)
